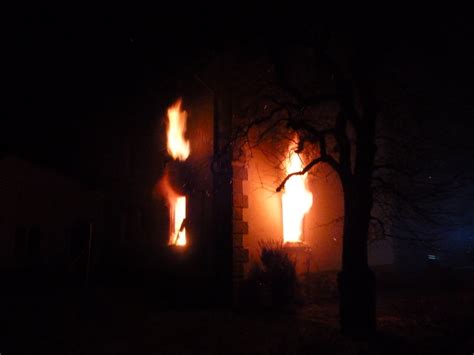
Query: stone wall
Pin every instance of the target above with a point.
(239, 225)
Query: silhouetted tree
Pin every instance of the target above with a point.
(345, 141)
(322, 97)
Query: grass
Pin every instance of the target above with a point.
(130, 321)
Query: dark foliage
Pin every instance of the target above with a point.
(276, 275)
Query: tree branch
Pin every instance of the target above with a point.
(302, 172)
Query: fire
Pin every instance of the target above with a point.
(178, 216)
(179, 149)
(296, 200)
(178, 146)
(177, 207)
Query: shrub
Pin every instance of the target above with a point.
(276, 273)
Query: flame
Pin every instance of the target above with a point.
(296, 200)
(178, 146)
(178, 230)
(177, 207)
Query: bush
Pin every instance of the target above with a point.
(276, 274)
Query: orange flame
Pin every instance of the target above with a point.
(177, 207)
(178, 146)
(178, 230)
(296, 200)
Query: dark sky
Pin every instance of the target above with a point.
(67, 71)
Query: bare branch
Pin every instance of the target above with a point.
(302, 172)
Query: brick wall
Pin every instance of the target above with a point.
(239, 225)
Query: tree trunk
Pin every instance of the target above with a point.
(356, 280)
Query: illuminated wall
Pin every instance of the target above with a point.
(322, 230)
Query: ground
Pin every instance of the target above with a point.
(112, 320)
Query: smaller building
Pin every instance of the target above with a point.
(47, 220)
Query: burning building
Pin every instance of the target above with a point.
(221, 198)
(215, 200)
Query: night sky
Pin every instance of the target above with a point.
(68, 72)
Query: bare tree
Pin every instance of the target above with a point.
(322, 97)
(290, 107)
(329, 109)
